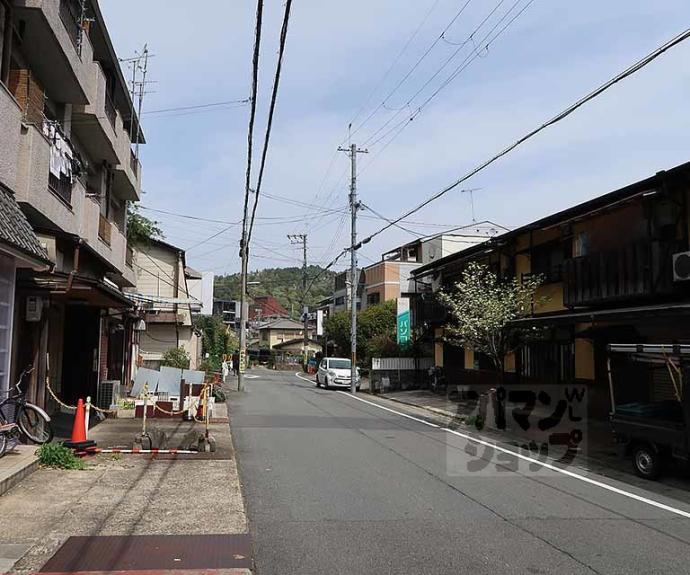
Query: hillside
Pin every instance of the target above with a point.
(284, 284)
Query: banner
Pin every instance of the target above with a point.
(319, 322)
(403, 320)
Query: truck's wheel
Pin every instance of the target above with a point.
(646, 461)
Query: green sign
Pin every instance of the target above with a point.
(403, 321)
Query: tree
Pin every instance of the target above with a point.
(336, 328)
(140, 229)
(176, 357)
(284, 284)
(216, 340)
(482, 309)
(376, 327)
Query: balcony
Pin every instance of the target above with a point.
(105, 229)
(52, 199)
(10, 124)
(127, 182)
(104, 236)
(50, 42)
(96, 123)
(633, 272)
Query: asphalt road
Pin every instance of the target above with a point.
(334, 484)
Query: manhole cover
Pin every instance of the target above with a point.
(151, 552)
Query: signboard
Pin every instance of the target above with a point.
(243, 361)
(403, 320)
(319, 322)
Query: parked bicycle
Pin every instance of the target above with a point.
(9, 436)
(437, 379)
(33, 422)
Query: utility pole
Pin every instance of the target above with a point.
(244, 304)
(352, 152)
(302, 239)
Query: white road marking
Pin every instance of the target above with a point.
(565, 472)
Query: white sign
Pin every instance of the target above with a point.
(319, 322)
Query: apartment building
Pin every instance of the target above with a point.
(67, 126)
(391, 278)
(615, 269)
(341, 290)
(162, 294)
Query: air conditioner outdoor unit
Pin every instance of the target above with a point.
(681, 266)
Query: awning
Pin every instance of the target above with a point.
(81, 290)
(606, 314)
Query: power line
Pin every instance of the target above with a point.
(271, 110)
(394, 62)
(402, 124)
(565, 113)
(414, 67)
(562, 115)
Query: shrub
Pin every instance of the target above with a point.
(176, 357)
(58, 456)
(218, 394)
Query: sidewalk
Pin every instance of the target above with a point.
(15, 465)
(127, 496)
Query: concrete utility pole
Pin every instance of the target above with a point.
(352, 151)
(244, 304)
(302, 239)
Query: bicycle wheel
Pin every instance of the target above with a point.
(33, 425)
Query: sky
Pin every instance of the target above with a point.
(372, 64)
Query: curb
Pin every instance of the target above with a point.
(18, 471)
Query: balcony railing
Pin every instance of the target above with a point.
(105, 229)
(110, 110)
(61, 187)
(605, 276)
(133, 162)
(551, 275)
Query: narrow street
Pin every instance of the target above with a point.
(334, 484)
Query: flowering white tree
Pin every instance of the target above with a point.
(482, 308)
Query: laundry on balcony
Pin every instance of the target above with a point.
(61, 154)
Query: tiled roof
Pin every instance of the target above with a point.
(283, 323)
(15, 230)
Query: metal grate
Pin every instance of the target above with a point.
(148, 552)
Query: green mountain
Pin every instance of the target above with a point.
(284, 284)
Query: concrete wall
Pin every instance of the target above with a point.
(155, 271)
(32, 181)
(10, 125)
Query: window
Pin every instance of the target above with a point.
(373, 298)
(547, 260)
(581, 245)
(549, 361)
(340, 300)
(7, 279)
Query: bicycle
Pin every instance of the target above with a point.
(33, 422)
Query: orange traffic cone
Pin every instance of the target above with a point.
(79, 428)
(78, 439)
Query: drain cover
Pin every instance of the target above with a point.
(151, 552)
